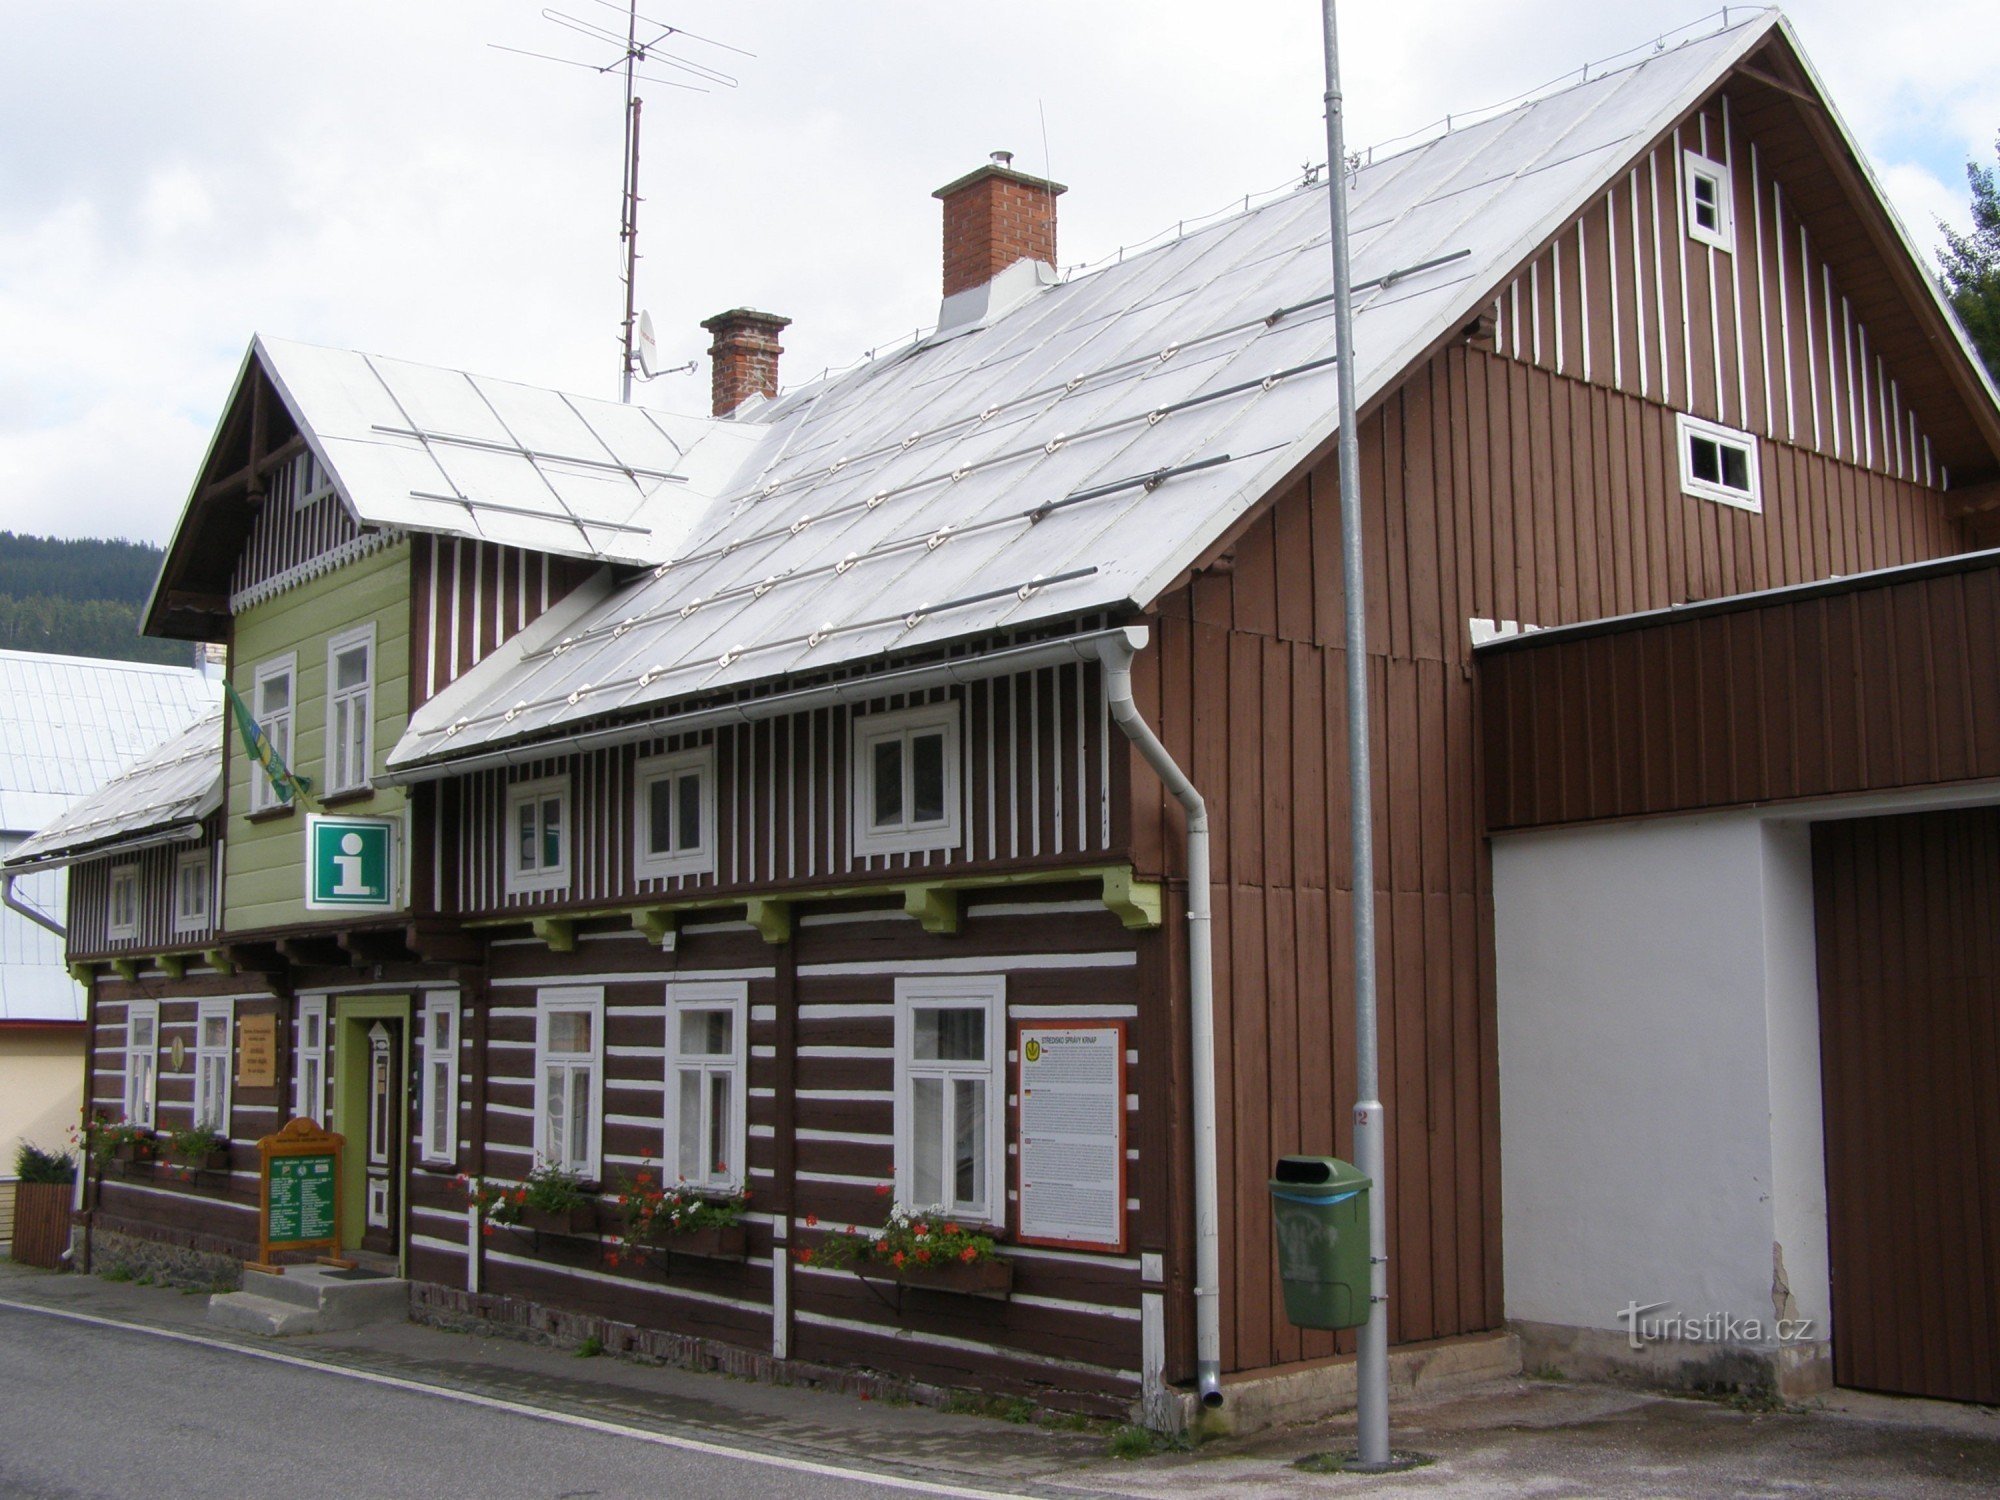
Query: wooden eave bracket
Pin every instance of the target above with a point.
(936, 907)
(126, 969)
(436, 944)
(772, 919)
(173, 965)
(558, 932)
(83, 973)
(660, 925)
(219, 959)
(1136, 903)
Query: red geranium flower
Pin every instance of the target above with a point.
(924, 1257)
(812, 1221)
(969, 1254)
(896, 1259)
(884, 1189)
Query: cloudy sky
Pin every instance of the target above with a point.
(178, 174)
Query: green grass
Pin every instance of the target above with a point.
(116, 1273)
(1142, 1442)
(590, 1348)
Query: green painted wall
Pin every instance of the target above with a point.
(264, 877)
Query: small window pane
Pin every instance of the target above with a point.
(214, 1031)
(569, 1031)
(706, 1033)
(350, 668)
(688, 1153)
(660, 816)
(927, 1141)
(718, 1124)
(689, 793)
(1705, 459)
(527, 836)
(968, 1106)
(142, 1031)
(950, 1036)
(551, 832)
(579, 1115)
(557, 1117)
(274, 694)
(888, 783)
(1735, 468)
(927, 776)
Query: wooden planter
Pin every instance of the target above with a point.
(979, 1278)
(715, 1242)
(134, 1153)
(580, 1220)
(211, 1161)
(41, 1223)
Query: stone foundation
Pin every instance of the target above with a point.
(163, 1263)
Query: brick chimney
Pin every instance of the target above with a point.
(994, 217)
(745, 351)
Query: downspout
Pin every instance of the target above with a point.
(15, 904)
(1116, 653)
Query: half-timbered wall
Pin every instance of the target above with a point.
(208, 1211)
(89, 900)
(821, 1140)
(1762, 338)
(1036, 788)
(287, 545)
(467, 597)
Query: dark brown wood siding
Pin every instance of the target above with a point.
(1907, 909)
(1867, 685)
(1036, 789)
(1492, 488)
(89, 900)
(467, 597)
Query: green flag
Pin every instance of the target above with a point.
(286, 786)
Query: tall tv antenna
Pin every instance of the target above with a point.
(632, 55)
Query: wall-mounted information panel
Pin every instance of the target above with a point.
(1071, 1088)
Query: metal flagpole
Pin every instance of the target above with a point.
(1372, 1367)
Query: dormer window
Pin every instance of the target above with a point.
(676, 813)
(538, 837)
(906, 780)
(1709, 219)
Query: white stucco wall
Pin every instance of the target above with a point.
(1659, 1066)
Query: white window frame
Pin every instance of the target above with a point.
(213, 1070)
(196, 919)
(905, 724)
(696, 860)
(1723, 237)
(734, 997)
(587, 1163)
(142, 1104)
(309, 1067)
(303, 481)
(337, 646)
(954, 992)
(542, 877)
(262, 797)
(1687, 428)
(439, 1108)
(118, 927)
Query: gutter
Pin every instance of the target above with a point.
(34, 914)
(1116, 648)
(1070, 648)
(180, 833)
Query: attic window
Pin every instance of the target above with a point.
(1719, 463)
(303, 481)
(1709, 219)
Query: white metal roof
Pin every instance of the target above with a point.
(902, 505)
(68, 724)
(175, 786)
(427, 449)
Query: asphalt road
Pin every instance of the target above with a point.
(90, 1411)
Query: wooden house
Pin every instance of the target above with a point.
(770, 789)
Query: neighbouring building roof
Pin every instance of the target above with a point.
(172, 789)
(69, 724)
(1080, 452)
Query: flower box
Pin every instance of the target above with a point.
(578, 1220)
(978, 1278)
(132, 1152)
(710, 1242)
(208, 1161)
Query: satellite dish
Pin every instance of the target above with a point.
(649, 347)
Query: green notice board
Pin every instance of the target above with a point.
(302, 1195)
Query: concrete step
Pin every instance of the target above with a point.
(315, 1298)
(246, 1312)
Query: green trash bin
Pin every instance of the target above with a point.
(1319, 1206)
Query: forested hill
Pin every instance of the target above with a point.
(80, 598)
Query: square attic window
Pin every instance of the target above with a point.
(1719, 463)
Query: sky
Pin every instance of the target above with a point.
(176, 175)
